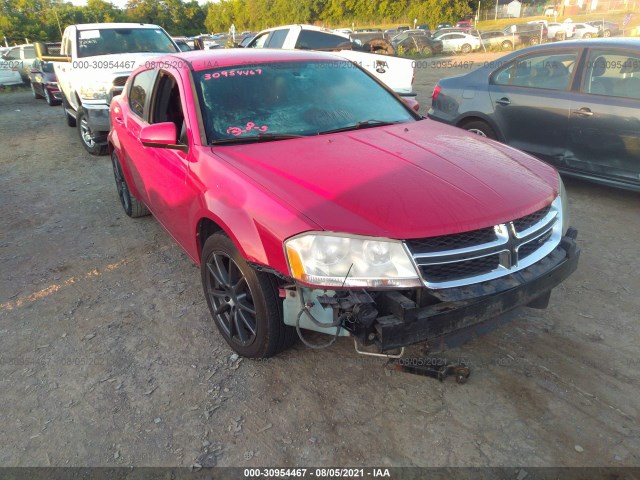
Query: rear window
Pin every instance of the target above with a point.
(313, 40)
(109, 41)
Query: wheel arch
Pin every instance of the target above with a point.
(479, 117)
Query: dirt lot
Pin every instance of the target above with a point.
(108, 355)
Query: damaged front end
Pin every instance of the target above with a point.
(465, 282)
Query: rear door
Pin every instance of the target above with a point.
(604, 131)
(531, 102)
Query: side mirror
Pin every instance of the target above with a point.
(412, 103)
(161, 135)
(42, 53)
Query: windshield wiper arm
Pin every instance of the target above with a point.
(261, 137)
(359, 126)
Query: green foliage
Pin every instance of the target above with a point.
(44, 19)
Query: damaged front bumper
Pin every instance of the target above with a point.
(393, 319)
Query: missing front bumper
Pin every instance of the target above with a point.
(408, 325)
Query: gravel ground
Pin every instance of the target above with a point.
(109, 357)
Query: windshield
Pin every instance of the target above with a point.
(110, 41)
(272, 100)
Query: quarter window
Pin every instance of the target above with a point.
(551, 72)
(613, 74)
(140, 91)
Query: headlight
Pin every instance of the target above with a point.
(565, 205)
(95, 90)
(332, 260)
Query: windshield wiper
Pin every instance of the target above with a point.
(261, 137)
(359, 126)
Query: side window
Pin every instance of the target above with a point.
(277, 38)
(29, 53)
(140, 90)
(167, 106)
(551, 72)
(259, 42)
(613, 74)
(313, 40)
(14, 54)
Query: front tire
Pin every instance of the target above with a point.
(606, 33)
(243, 302)
(507, 45)
(480, 128)
(88, 137)
(51, 101)
(131, 205)
(466, 48)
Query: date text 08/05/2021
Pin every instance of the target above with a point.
(316, 472)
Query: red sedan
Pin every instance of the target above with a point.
(314, 198)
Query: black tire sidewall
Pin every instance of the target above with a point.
(267, 305)
(115, 162)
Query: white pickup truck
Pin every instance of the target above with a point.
(94, 63)
(397, 73)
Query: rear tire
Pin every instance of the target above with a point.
(507, 45)
(243, 302)
(131, 205)
(606, 33)
(587, 35)
(88, 137)
(480, 128)
(534, 41)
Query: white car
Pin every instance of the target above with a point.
(458, 42)
(584, 30)
(9, 74)
(560, 31)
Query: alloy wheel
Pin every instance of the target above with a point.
(231, 299)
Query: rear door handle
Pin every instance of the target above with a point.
(584, 112)
(503, 101)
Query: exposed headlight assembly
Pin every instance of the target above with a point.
(335, 260)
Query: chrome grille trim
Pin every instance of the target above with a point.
(547, 225)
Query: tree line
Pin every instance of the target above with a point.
(22, 20)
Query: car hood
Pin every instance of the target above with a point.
(403, 181)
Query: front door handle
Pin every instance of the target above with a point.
(503, 101)
(584, 112)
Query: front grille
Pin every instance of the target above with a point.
(521, 224)
(452, 242)
(530, 247)
(465, 258)
(446, 272)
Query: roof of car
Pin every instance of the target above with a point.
(102, 26)
(304, 26)
(241, 57)
(593, 42)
